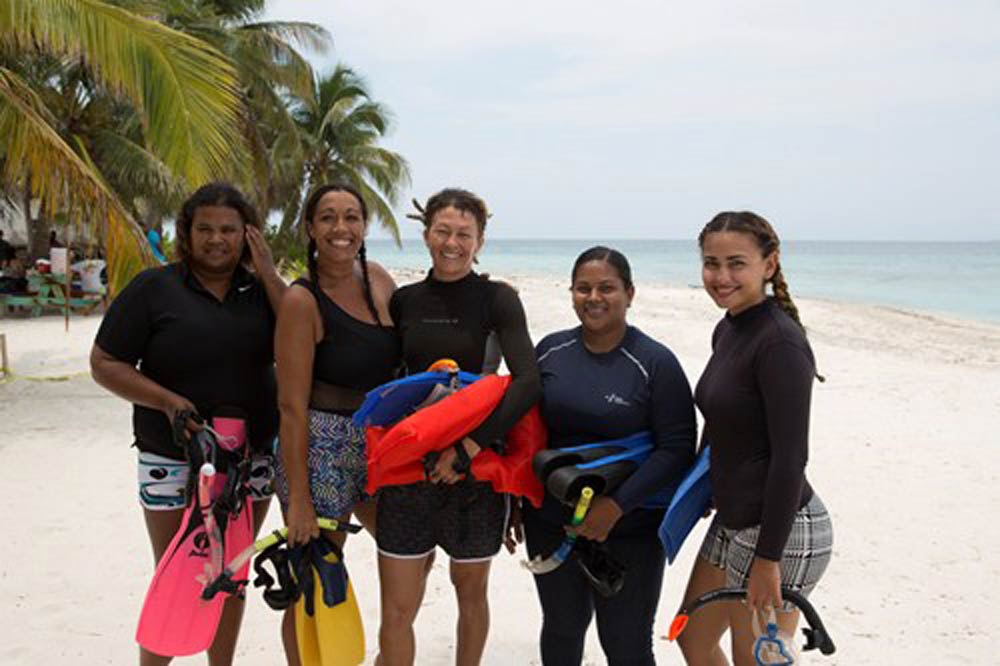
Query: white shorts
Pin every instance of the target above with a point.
(162, 480)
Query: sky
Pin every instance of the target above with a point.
(855, 120)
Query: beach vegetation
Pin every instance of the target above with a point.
(110, 112)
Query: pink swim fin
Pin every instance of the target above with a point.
(175, 620)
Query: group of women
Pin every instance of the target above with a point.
(220, 327)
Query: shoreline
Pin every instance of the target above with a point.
(902, 445)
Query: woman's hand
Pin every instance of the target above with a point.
(301, 521)
(515, 528)
(443, 471)
(260, 252)
(764, 585)
(604, 513)
(174, 404)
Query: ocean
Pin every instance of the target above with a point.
(933, 277)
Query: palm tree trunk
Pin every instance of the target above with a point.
(38, 229)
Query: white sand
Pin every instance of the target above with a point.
(904, 452)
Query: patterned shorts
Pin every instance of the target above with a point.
(338, 468)
(806, 555)
(162, 480)
(468, 520)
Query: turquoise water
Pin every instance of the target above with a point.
(949, 278)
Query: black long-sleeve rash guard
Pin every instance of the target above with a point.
(456, 320)
(755, 395)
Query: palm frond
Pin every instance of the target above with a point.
(310, 35)
(185, 90)
(63, 182)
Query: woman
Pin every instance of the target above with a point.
(770, 530)
(641, 387)
(457, 314)
(334, 342)
(201, 332)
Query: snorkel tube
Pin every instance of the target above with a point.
(816, 634)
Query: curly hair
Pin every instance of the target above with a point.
(454, 197)
(212, 194)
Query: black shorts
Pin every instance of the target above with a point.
(467, 520)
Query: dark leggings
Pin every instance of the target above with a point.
(624, 622)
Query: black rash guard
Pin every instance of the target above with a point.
(214, 353)
(456, 320)
(754, 395)
(592, 397)
(353, 354)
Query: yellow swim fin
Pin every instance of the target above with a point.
(331, 635)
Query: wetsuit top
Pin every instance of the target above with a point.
(457, 320)
(212, 353)
(754, 395)
(352, 354)
(592, 397)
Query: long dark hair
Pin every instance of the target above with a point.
(307, 216)
(212, 194)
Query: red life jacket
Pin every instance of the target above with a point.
(396, 452)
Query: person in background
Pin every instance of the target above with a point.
(196, 335)
(606, 380)
(155, 242)
(771, 529)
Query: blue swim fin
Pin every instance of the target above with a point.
(689, 504)
(604, 473)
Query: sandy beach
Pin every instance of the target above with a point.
(903, 452)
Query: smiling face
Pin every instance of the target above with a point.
(453, 239)
(734, 271)
(338, 226)
(600, 297)
(217, 239)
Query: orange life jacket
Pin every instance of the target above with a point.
(396, 452)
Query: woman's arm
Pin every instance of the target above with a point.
(298, 330)
(125, 381)
(263, 266)
(672, 422)
(519, 354)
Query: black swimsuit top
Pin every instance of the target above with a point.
(353, 354)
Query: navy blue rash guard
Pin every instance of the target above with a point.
(589, 397)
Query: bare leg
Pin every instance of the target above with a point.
(471, 581)
(161, 527)
(224, 646)
(700, 641)
(742, 635)
(402, 583)
(288, 639)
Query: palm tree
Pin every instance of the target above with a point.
(268, 66)
(338, 131)
(184, 94)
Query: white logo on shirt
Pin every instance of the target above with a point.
(616, 399)
(243, 288)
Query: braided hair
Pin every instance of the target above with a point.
(307, 216)
(768, 242)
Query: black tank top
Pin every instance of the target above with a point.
(352, 354)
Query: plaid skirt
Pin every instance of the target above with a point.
(806, 556)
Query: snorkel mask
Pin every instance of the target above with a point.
(772, 647)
